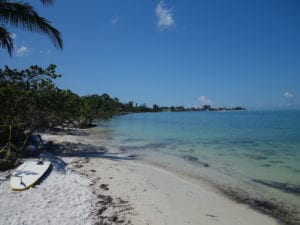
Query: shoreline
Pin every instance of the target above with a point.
(149, 198)
(276, 209)
(282, 212)
(151, 195)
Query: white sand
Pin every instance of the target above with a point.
(160, 197)
(62, 198)
(120, 192)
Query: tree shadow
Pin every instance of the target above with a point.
(67, 149)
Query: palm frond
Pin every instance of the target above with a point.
(23, 15)
(44, 2)
(6, 40)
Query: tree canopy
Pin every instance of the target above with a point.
(31, 98)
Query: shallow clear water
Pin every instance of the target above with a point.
(257, 148)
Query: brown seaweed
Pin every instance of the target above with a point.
(289, 188)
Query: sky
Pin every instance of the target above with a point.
(172, 52)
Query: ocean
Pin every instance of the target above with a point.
(256, 152)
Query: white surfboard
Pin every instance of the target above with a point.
(27, 174)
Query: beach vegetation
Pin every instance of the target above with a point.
(128, 107)
(99, 108)
(31, 102)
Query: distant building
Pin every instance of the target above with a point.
(165, 109)
(221, 109)
(206, 107)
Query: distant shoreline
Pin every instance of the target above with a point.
(186, 110)
(156, 108)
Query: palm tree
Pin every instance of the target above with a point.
(23, 15)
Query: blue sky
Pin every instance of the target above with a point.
(173, 52)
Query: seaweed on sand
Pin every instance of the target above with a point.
(285, 214)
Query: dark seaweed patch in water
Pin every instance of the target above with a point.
(256, 157)
(133, 140)
(266, 165)
(171, 140)
(195, 160)
(128, 148)
(242, 142)
(276, 161)
(274, 145)
(183, 142)
(289, 188)
(290, 154)
(152, 146)
(155, 146)
(269, 152)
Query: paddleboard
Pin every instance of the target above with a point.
(27, 174)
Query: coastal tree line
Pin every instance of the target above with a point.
(31, 102)
(31, 97)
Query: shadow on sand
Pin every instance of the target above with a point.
(67, 149)
(57, 163)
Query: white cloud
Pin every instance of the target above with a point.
(205, 100)
(288, 94)
(164, 15)
(114, 20)
(22, 51)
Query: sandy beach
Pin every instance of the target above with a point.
(115, 189)
(153, 112)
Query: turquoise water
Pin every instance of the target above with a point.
(260, 149)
